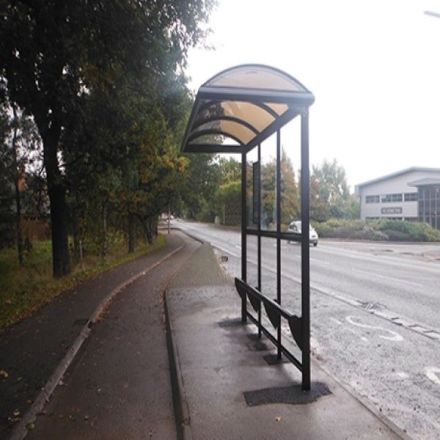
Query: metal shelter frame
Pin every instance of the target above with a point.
(234, 112)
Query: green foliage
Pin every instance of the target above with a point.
(381, 230)
(289, 191)
(408, 231)
(24, 290)
(212, 188)
(101, 80)
(201, 180)
(329, 192)
(228, 200)
(6, 185)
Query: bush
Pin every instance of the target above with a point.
(379, 230)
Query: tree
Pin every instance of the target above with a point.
(229, 169)
(18, 144)
(201, 180)
(6, 187)
(329, 191)
(57, 54)
(289, 191)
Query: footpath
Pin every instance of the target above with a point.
(185, 369)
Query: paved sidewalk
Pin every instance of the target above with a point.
(228, 390)
(123, 385)
(31, 350)
(119, 386)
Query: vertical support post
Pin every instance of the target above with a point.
(278, 214)
(243, 233)
(305, 249)
(259, 233)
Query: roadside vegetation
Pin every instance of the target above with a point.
(334, 211)
(93, 104)
(377, 230)
(24, 289)
(219, 191)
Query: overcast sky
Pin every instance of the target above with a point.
(373, 66)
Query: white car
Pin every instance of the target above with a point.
(295, 227)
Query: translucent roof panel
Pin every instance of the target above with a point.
(245, 104)
(279, 109)
(235, 130)
(254, 76)
(258, 116)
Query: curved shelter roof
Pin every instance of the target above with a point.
(238, 108)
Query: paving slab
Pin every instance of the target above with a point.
(118, 386)
(229, 389)
(31, 350)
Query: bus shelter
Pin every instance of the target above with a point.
(234, 112)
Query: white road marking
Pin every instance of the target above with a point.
(394, 336)
(336, 321)
(433, 374)
(402, 374)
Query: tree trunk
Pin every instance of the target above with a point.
(19, 234)
(104, 231)
(76, 239)
(18, 224)
(58, 217)
(130, 233)
(58, 207)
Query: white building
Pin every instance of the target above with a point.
(412, 194)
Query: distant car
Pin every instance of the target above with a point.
(295, 227)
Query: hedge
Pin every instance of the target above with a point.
(378, 230)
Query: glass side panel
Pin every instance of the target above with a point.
(268, 184)
(252, 183)
(290, 165)
(255, 77)
(269, 268)
(252, 259)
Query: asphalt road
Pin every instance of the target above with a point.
(375, 316)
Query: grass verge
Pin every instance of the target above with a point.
(25, 290)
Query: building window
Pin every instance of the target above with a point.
(391, 198)
(372, 199)
(429, 205)
(411, 197)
